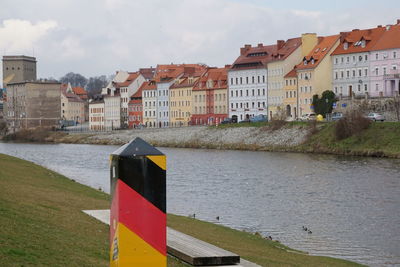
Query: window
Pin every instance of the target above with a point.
(336, 90)
(359, 87)
(241, 80)
(247, 80)
(348, 59)
(345, 46)
(336, 75)
(365, 87)
(263, 78)
(258, 79)
(336, 61)
(376, 56)
(231, 83)
(384, 70)
(360, 58)
(348, 74)
(252, 79)
(365, 72)
(376, 87)
(394, 54)
(341, 74)
(366, 57)
(376, 71)
(359, 73)
(354, 73)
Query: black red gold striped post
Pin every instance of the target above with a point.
(138, 206)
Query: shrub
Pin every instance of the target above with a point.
(351, 124)
(3, 127)
(278, 120)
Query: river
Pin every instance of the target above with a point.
(351, 204)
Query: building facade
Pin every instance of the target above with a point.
(247, 81)
(149, 100)
(33, 104)
(135, 107)
(210, 97)
(290, 100)
(385, 63)
(289, 53)
(72, 106)
(351, 62)
(181, 101)
(96, 114)
(314, 73)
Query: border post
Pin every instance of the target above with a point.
(138, 206)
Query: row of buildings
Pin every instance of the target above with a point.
(264, 79)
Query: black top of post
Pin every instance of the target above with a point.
(137, 147)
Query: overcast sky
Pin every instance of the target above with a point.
(95, 37)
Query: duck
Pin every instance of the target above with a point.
(309, 231)
(217, 218)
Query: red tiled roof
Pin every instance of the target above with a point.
(218, 76)
(292, 73)
(165, 73)
(318, 53)
(254, 57)
(70, 96)
(285, 49)
(390, 39)
(131, 78)
(354, 38)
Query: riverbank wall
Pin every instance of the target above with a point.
(379, 140)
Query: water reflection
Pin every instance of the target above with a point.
(351, 204)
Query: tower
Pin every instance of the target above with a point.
(18, 69)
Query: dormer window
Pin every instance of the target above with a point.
(363, 43)
(305, 62)
(312, 61)
(346, 45)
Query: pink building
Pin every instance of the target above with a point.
(385, 63)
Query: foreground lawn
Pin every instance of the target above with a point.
(42, 225)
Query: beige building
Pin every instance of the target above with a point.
(149, 101)
(290, 95)
(18, 69)
(96, 114)
(181, 101)
(72, 106)
(288, 54)
(33, 104)
(314, 73)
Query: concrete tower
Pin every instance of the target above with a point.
(18, 69)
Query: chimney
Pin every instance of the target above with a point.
(343, 36)
(280, 44)
(354, 30)
(388, 27)
(398, 22)
(379, 26)
(244, 49)
(260, 45)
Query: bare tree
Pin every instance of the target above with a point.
(75, 79)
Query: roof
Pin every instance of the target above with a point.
(130, 79)
(71, 97)
(389, 39)
(285, 49)
(318, 53)
(355, 38)
(148, 73)
(148, 85)
(292, 73)
(79, 91)
(254, 57)
(212, 79)
(166, 73)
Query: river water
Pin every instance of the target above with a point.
(351, 204)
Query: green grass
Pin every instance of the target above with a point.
(42, 225)
(380, 139)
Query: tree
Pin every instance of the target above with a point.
(324, 104)
(95, 84)
(75, 79)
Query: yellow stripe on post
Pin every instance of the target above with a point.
(161, 161)
(135, 250)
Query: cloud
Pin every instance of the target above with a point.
(17, 36)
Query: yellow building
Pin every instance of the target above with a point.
(314, 73)
(290, 95)
(288, 54)
(181, 101)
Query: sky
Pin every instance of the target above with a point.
(96, 37)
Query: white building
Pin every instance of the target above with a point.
(247, 80)
(149, 100)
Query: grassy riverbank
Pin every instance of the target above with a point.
(42, 224)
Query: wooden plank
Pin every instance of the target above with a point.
(197, 252)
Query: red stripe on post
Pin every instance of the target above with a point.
(142, 217)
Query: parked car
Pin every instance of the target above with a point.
(226, 121)
(308, 117)
(336, 116)
(375, 116)
(259, 118)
